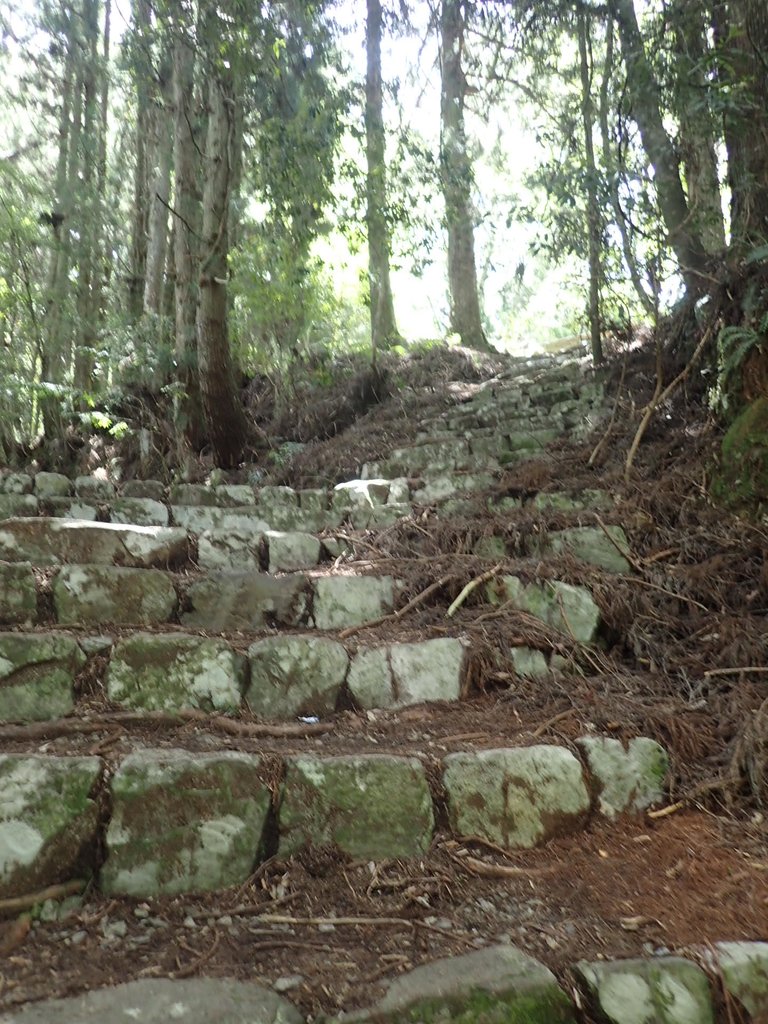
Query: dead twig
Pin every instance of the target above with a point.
(472, 585)
(53, 892)
(192, 968)
(396, 616)
(540, 730)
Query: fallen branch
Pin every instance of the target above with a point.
(14, 904)
(161, 719)
(660, 395)
(551, 721)
(396, 616)
(751, 669)
(472, 585)
(485, 870)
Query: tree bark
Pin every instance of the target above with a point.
(141, 30)
(384, 330)
(593, 204)
(645, 95)
(189, 419)
(157, 245)
(457, 180)
(224, 417)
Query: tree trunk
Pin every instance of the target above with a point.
(383, 325)
(223, 411)
(141, 31)
(457, 179)
(741, 28)
(157, 245)
(645, 95)
(697, 139)
(593, 205)
(189, 417)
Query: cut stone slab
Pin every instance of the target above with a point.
(192, 494)
(744, 966)
(229, 549)
(342, 601)
(226, 601)
(72, 508)
(295, 675)
(95, 594)
(369, 805)
(291, 551)
(667, 990)
(363, 518)
(151, 489)
(16, 483)
(591, 545)
(48, 821)
(628, 779)
(96, 488)
(57, 541)
(171, 671)
(198, 518)
(313, 499)
(51, 485)
(489, 986)
(140, 511)
(397, 675)
(570, 609)
(234, 495)
(160, 1000)
(37, 672)
(360, 494)
(184, 822)
(516, 797)
(12, 505)
(529, 662)
(18, 594)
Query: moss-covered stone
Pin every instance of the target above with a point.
(744, 966)
(669, 990)
(625, 779)
(742, 482)
(295, 675)
(372, 806)
(184, 822)
(97, 594)
(36, 675)
(48, 819)
(18, 594)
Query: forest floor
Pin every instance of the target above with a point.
(684, 661)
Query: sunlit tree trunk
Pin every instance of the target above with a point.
(457, 180)
(593, 206)
(645, 96)
(157, 245)
(224, 417)
(141, 29)
(383, 325)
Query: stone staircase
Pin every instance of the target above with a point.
(191, 679)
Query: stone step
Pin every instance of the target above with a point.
(182, 821)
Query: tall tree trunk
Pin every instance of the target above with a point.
(383, 325)
(741, 28)
(457, 178)
(593, 204)
(157, 245)
(189, 418)
(697, 139)
(223, 411)
(645, 96)
(611, 168)
(142, 64)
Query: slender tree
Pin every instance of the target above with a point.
(457, 180)
(383, 325)
(593, 203)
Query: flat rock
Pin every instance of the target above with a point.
(233, 495)
(160, 1000)
(95, 594)
(488, 986)
(140, 511)
(72, 508)
(235, 550)
(224, 601)
(37, 672)
(199, 518)
(528, 662)
(744, 967)
(295, 675)
(18, 594)
(151, 489)
(192, 494)
(96, 488)
(58, 541)
(592, 545)
(16, 483)
(184, 822)
(342, 601)
(369, 805)
(397, 675)
(360, 494)
(515, 797)
(666, 990)
(50, 485)
(291, 551)
(13, 505)
(626, 779)
(170, 671)
(48, 820)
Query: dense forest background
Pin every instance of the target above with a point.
(196, 196)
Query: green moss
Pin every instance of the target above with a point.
(742, 482)
(478, 1007)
